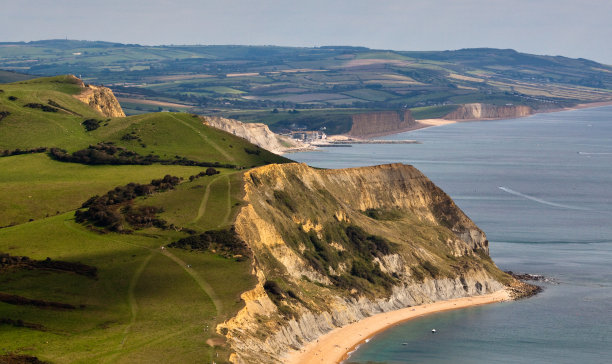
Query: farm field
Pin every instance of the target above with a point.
(249, 80)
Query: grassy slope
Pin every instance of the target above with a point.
(164, 134)
(147, 304)
(144, 307)
(33, 186)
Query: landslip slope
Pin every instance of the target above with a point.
(256, 133)
(331, 247)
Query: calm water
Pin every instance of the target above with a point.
(541, 188)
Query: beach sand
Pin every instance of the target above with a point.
(335, 346)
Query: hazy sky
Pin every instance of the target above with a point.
(573, 28)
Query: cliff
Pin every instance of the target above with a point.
(100, 99)
(374, 124)
(331, 247)
(488, 112)
(256, 133)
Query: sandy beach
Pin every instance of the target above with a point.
(335, 346)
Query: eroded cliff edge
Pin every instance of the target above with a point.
(333, 246)
(256, 133)
(479, 111)
(100, 99)
(373, 124)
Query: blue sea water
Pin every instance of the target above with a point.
(541, 188)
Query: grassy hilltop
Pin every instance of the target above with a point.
(103, 290)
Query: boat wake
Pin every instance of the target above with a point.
(594, 153)
(539, 200)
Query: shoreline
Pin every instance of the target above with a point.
(429, 123)
(337, 345)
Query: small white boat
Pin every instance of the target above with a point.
(433, 331)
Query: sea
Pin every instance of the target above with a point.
(541, 189)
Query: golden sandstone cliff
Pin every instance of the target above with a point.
(331, 247)
(100, 99)
(374, 124)
(487, 112)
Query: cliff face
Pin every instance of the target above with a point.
(256, 133)
(100, 99)
(333, 246)
(374, 124)
(488, 112)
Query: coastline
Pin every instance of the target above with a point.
(336, 345)
(429, 123)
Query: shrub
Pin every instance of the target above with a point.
(45, 108)
(7, 153)
(211, 171)
(224, 242)
(91, 124)
(252, 151)
(104, 211)
(4, 114)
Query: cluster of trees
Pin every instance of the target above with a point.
(224, 242)
(108, 153)
(13, 261)
(91, 124)
(103, 153)
(252, 151)
(209, 172)
(114, 212)
(45, 108)
(8, 153)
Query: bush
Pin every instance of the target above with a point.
(4, 114)
(7, 153)
(108, 153)
(252, 151)
(224, 242)
(104, 211)
(91, 124)
(211, 171)
(45, 108)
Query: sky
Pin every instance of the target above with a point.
(572, 28)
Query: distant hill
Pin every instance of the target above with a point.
(8, 76)
(327, 85)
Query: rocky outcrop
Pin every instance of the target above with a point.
(100, 99)
(256, 133)
(488, 112)
(331, 247)
(375, 124)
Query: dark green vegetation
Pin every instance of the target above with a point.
(74, 287)
(325, 85)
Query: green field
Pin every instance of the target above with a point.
(167, 135)
(145, 304)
